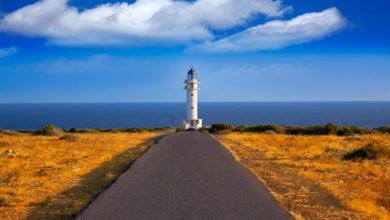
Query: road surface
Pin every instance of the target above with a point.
(185, 176)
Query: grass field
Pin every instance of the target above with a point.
(309, 176)
(49, 177)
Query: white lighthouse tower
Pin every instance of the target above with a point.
(192, 122)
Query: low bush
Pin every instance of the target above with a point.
(370, 151)
(265, 128)
(130, 130)
(312, 130)
(180, 129)
(26, 131)
(204, 130)
(240, 128)
(50, 130)
(359, 130)
(383, 129)
(295, 130)
(345, 131)
(328, 129)
(72, 130)
(220, 128)
(315, 130)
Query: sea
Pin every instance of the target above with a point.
(132, 115)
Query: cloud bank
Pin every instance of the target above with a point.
(169, 22)
(278, 34)
(5, 52)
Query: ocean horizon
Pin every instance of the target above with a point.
(27, 116)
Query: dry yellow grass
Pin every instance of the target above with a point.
(307, 175)
(43, 177)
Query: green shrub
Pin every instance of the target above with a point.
(88, 130)
(316, 130)
(359, 130)
(50, 130)
(345, 131)
(180, 129)
(204, 130)
(370, 151)
(352, 130)
(133, 130)
(295, 130)
(220, 127)
(72, 130)
(383, 129)
(240, 128)
(311, 130)
(265, 128)
(96, 130)
(26, 131)
(330, 128)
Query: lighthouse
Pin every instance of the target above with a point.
(192, 122)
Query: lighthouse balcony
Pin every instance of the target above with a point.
(191, 81)
(191, 86)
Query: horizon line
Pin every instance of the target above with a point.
(167, 102)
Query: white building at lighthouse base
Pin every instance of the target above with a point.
(193, 124)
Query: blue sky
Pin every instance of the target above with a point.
(247, 50)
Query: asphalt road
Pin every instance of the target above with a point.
(186, 176)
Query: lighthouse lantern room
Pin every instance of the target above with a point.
(192, 122)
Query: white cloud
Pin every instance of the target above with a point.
(278, 34)
(5, 52)
(142, 22)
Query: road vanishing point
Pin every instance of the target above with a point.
(185, 176)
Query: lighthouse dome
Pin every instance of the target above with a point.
(192, 73)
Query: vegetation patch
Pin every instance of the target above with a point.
(370, 151)
(50, 130)
(262, 128)
(50, 177)
(383, 129)
(328, 129)
(294, 167)
(220, 128)
(204, 130)
(180, 129)
(113, 130)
